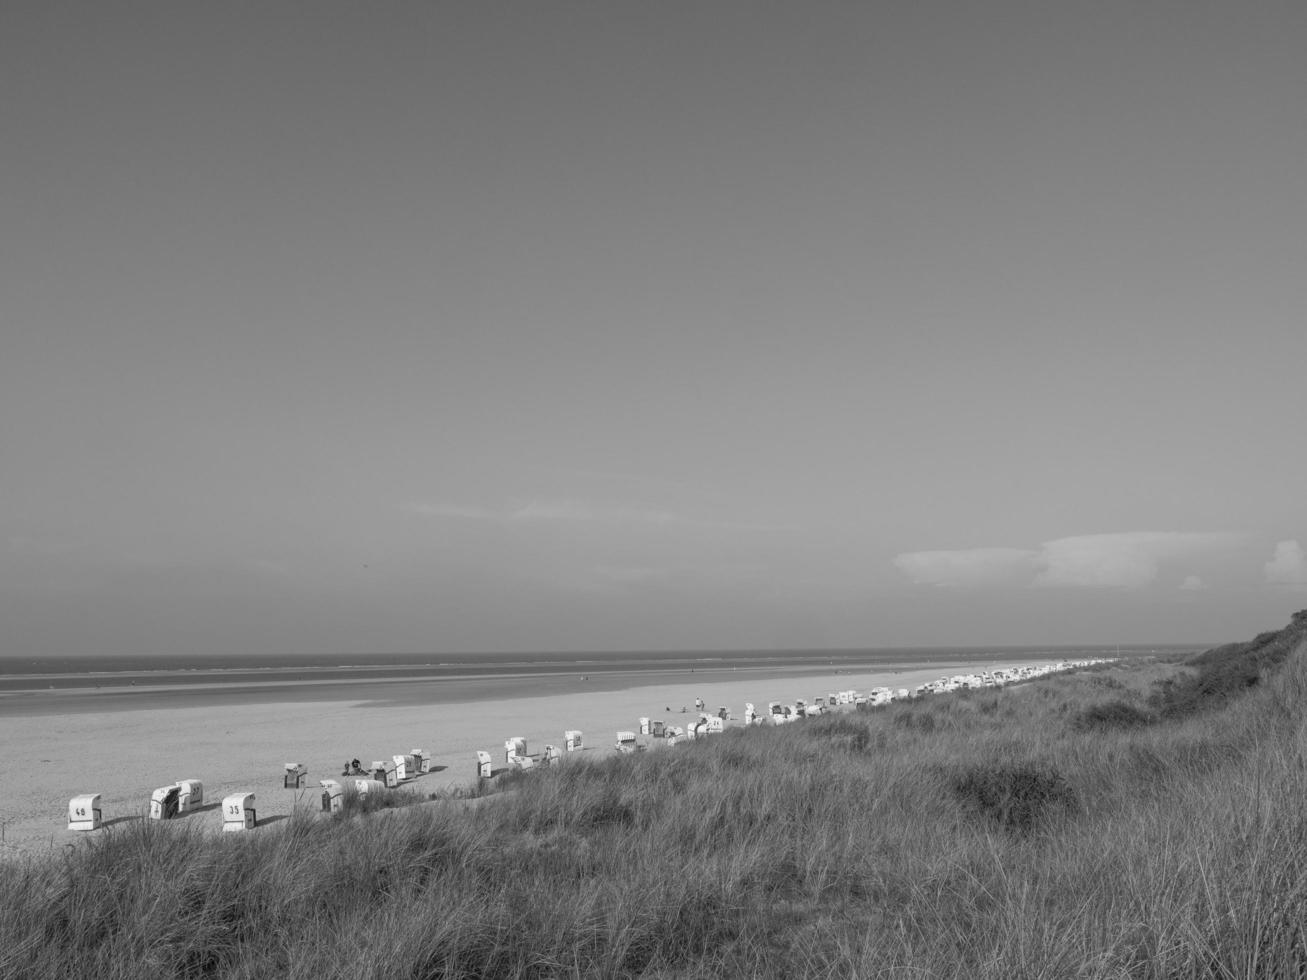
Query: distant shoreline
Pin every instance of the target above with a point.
(372, 692)
(45, 694)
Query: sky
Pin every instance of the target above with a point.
(459, 327)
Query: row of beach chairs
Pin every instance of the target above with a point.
(238, 811)
(166, 803)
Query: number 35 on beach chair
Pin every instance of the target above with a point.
(238, 812)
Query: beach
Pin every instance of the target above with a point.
(61, 746)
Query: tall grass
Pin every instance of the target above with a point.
(988, 835)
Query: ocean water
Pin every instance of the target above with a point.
(55, 685)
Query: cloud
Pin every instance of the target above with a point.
(577, 511)
(1287, 568)
(1127, 560)
(1192, 583)
(455, 512)
(970, 567)
(548, 511)
(581, 510)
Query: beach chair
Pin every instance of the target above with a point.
(484, 770)
(626, 741)
(84, 812)
(238, 812)
(514, 746)
(572, 741)
(522, 762)
(659, 728)
(421, 762)
(365, 786)
(401, 767)
(164, 802)
(190, 796)
(644, 726)
(333, 795)
(384, 773)
(295, 775)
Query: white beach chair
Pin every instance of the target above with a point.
(295, 775)
(421, 761)
(644, 726)
(164, 802)
(333, 795)
(190, 796)
(572, 741)
(626, 741)
(84, 812)
(401, 767)
(365, 786)
(238, 812)
(385, 773)
(514, 746)
(484, 769)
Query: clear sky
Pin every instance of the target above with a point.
(447, 327)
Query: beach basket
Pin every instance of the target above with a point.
(84, 812)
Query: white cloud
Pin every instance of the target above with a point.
(455, 512)
(1287, 568)
(1127, 560)
(578, 511)
(969, 567)
(581, 510)
(1193, 583)
(547, 511)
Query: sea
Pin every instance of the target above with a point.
(56, 685)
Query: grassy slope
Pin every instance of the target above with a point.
(990, 834)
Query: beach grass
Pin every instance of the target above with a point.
(1075, 826)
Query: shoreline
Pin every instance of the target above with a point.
(416, 691)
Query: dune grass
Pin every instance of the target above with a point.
(985, 834)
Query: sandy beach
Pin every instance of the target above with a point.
(124, 754)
